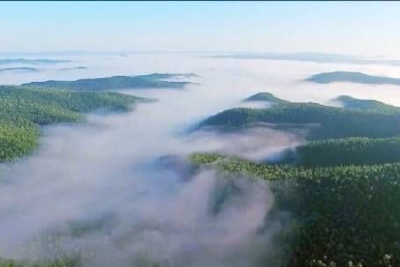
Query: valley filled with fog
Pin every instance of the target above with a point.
(124, 182)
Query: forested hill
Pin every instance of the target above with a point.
(358, 118)
(23, 109)
(346, 101)
(349, 102)
(155, 80)
(353, 77)
(341, 193)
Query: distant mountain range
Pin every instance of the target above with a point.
(312, 57)
(74, 68)
(353, 77)
(20, 69)
(155, 80)
(6, 61)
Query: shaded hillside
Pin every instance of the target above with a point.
(347, 151)
(349, 102)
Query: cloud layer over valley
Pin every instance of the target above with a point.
(98, 188)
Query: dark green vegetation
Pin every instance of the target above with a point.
(342, 192)
(337, 214)
(353, 77)
(353, 150)
(359, 118)
(23, 110)
(156, 80)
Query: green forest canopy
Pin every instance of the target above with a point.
(23, 109)
(346, 151)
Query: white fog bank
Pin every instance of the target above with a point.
(104, 173)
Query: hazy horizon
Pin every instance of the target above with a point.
(339, 27)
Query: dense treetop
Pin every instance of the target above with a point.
(353, 150)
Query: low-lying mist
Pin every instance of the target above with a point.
(96, 189)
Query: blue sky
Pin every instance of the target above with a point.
(361, 28)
